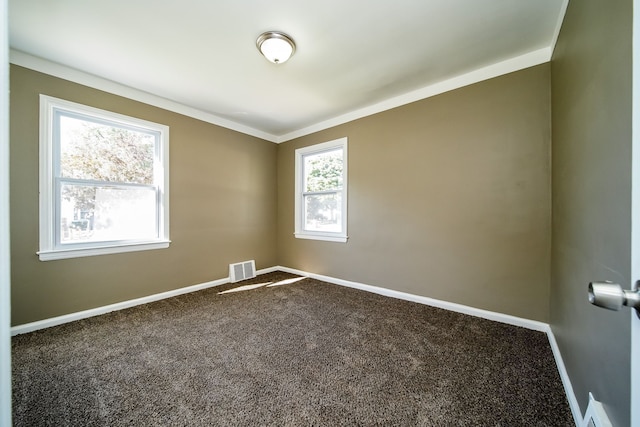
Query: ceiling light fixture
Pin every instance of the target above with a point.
(277, 47)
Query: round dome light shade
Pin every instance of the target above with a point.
(275, 46)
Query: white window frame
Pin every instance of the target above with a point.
(300, 154)
(50, 249)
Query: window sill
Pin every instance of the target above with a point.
(338, 238)
(51, 255)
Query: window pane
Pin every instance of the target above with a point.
(323, 171)
(323, 212)
(99, 152)
(89, 214)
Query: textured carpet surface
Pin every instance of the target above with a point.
(281, 350)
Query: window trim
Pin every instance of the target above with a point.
(300, 154)
(49, 250)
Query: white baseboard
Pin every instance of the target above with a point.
(595, 414)
(59, 320)
(459, 308)
(268, 270)
(564, 376)
(498, 317)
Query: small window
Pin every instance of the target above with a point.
(321, 191)
(103, 182)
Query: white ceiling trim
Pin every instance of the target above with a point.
(61, 71)
(67, 73)
(556, 33)
(505, 67)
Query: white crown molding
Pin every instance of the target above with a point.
(35, 63)
(521, 62)
(517, 63)
(556, 33)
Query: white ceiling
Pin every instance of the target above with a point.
(353, 57)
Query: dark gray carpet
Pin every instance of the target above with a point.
(287, 354)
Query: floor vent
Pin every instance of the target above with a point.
(595, 416)
(242, 271)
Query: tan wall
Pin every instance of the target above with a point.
(449, 198)
(222, 186)
(591, 86)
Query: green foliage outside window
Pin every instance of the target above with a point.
(91, 151)
(323, 173)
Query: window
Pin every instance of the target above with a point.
(321, 191)
(103, 182)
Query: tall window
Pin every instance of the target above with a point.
(321, 191)
(103, 182)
